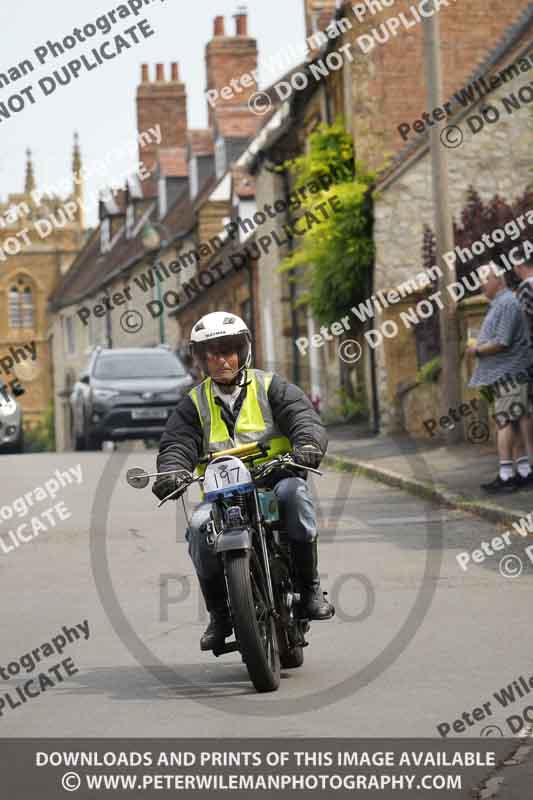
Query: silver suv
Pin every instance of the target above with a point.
(11, 432)
(126, 393)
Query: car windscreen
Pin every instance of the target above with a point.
(135, 366)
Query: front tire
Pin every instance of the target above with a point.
(255, 628)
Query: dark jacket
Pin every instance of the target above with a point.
(181, 445)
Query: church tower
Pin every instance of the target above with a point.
(40, 236)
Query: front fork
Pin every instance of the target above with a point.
(264, 553)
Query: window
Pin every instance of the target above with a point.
(220, 157)
(105, 235)
(70, 336)
(156, 364)
(130, 220)
(193, 177)
(27, 308)
(21, 313)
(14, 308)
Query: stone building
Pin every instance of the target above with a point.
(40, 235)
(152, 251)
(494, 160)
(387, 74)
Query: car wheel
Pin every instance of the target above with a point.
(19, 444)
(91, 441)
(79, 443)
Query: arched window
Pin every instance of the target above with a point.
(27, 308)
(21, 310)
(14, 308)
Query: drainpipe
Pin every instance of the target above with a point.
(292, 287)
(373, 367)
(251, 293)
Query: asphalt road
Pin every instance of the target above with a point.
(415, 643)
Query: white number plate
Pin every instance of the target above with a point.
(227, 472)
(149, 413)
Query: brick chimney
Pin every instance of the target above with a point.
(161, 102)
(318, 14)
(229, 57)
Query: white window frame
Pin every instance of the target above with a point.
(70, 335)
(105, 235)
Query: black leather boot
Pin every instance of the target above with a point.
(313, 603)
(214, 592)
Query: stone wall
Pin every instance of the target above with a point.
(388, 87)
(497, 160)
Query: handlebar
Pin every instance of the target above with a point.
(244, 451)
(258, 472)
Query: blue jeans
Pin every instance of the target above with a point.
(297, 514)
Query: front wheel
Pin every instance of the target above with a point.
(255, 628)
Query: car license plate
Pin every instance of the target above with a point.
(149, 413)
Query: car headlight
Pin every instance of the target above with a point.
(104, 394)
(7, 407)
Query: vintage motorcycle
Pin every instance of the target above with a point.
(245, 531)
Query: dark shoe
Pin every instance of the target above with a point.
(313, 604)
(524, 483)
(498, 486)
(220, 626)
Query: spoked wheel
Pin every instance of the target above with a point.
(255, 628)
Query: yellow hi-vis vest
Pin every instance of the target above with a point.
(253, 424)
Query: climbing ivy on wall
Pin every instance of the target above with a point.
(336, 255)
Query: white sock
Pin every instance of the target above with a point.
(522, 466)
(506, 470)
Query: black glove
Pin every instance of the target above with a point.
(166, 484)
(307, 455)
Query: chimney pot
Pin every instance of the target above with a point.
(241, 24)
(145, 75)
(219, 26)
(175, 71)
(160, 72)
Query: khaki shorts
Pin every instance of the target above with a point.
(514, 403)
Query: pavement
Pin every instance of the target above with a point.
(400, 657)
(416, 643)
(450, 476)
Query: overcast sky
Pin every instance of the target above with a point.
(100, 104)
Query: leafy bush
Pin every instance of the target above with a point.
(337, 254)
(41, 438)
(430, 372)
(349, 409)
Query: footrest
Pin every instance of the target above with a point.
(227, 647)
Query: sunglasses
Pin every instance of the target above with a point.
(221, 349)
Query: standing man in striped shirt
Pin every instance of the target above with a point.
(502, 354)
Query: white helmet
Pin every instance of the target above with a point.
(227, 329)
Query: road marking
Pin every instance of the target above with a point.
(405, 520)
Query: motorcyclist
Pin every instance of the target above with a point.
(233, 406)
